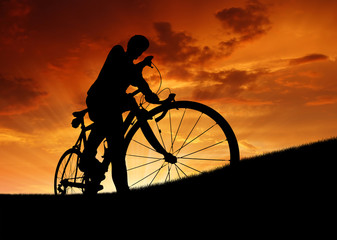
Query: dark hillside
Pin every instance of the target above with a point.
(285, 193)
(294, 171)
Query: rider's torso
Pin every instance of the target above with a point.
(117, 74)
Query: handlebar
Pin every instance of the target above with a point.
(169, 99)
(166, 101)
(134, 93)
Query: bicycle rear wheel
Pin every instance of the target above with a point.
(68, 178)
(200, 138)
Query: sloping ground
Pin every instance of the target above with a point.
(286, 193)
(287, 172)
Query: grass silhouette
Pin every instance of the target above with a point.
(286, 171)
(280, 192)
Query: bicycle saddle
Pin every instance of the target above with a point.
(80, 114)
(78, 118)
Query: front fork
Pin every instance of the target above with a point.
(152, 139)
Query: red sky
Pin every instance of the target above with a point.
(269, 67)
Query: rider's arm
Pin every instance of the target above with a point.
(144, 63)
(140, 82)
(143, 86)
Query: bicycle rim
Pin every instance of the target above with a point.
(67, 174)
(200, 138)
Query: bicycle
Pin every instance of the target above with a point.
(196, 138)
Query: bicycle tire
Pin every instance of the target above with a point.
(222, 124)
(68, 162)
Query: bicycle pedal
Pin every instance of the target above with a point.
(92, 189)
(98, 187)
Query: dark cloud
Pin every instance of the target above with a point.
(227, 47)
(181, 54)
(177, 46)
(248, 22)
(308, 58)
(19, 95)
(172, 46)
(244, 24)
(12, 21)
(223, 84)
(17, 8)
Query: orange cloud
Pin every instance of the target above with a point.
(322, 100)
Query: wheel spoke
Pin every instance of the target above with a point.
(202, 149)
(189, 167)
(180, 170)
(168, 176)
(196, 137)
(163, 165)
(65, 167)
(204, 159)
(171, 149)
(142, 165)
(156, 171)
(141, 156)
(161, 136)
(143, 145)
(175, 136)
(175, 165)
(195, 124)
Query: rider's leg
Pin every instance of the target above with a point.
(88, 160)
(114, 152)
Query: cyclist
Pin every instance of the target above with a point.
(106, 101)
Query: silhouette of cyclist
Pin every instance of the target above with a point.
(106, 101)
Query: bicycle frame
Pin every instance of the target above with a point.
(82, 137)
(141, 115)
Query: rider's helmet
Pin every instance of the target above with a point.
(137, 45)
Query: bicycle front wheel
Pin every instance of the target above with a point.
(198, 136)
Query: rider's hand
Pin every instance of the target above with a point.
(152, 98)
(147, 61)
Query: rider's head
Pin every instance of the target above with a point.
(137, 45)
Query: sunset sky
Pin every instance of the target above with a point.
(269, 67)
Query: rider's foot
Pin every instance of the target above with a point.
(92, 188)
(96, 176)
(93, 169)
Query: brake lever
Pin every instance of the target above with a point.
(171, 98)
(166, 101)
